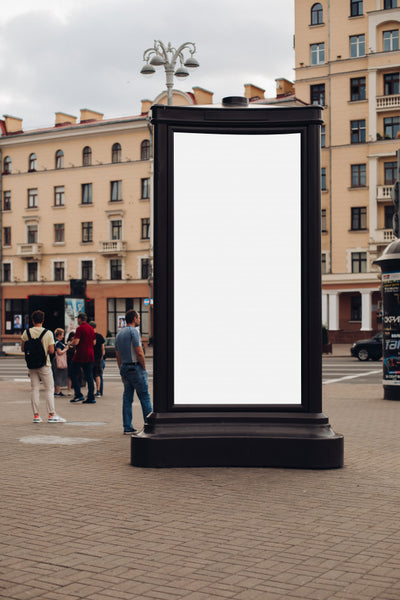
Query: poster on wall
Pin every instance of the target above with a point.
(121, 321)
(391, 328)
(73, 306)
(17, 321)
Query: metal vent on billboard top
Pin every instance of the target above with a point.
(235, 101)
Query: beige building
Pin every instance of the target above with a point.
(76, 204)
(348, 60)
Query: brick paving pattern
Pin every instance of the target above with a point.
(77, 521)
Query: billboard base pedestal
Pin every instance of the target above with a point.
(391, 392)
(237, 439)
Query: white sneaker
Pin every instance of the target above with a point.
(56, 419)
(37, 419)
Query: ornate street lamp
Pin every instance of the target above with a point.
(167, 56)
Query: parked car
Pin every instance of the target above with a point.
(366, 349)
(109, 347)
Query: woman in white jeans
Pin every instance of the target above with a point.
(43, 374)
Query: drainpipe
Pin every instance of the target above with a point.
(330, 142)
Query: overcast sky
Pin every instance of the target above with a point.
(64, 55)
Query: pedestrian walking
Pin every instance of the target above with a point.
(99, 352)
(132, 365)
(60, 363)
(83, 358)
(38, 344)
(70, 354)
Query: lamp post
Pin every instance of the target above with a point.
(167, 56)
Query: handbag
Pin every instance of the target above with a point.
(61, 361)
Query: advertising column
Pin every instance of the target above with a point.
(391, 335)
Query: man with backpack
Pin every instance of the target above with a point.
(37, 344)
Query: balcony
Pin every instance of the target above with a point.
(387, 102)
(384, 236)
(113, 248)
(30, 251)
(383, 193)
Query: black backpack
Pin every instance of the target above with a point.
(35, 355)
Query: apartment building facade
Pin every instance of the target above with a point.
(76, 204)
(348, 60)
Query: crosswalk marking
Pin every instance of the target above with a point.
(364, 374)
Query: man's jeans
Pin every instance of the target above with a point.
(87, 368)
(134, 377)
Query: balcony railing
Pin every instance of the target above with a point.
(117, 247)
(383, 193)
(384, 236)
(30, 250)
(388, 102)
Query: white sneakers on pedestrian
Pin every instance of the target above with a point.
(37, 419)
(56, 419)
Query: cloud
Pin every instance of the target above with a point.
(90, 54)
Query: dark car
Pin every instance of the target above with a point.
(109, 347)
(366, 349)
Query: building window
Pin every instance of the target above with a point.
(318, 54)
(118, 306)
(32, 271)
(87, 269)
(390, 40)
(115, 268)
(116, 191)
(7, 200)
(33, 198)
(323, 178)
(6, 272)
(390, 4)
(358, 132)
(391, 84)
(7, 165)
(116, 153)
(145, 229)
(7, 236)
(59, 233)
(323, 136)
(358, 175)
(358, 218)
(357, 45)
(323, 221)
(355, 306)
(145, 188)
(87, 156)
(86, 193)
(59, 195)
(323, 263)
(391, 126)
(390, 172)
(358, 262)
(145, 150)
(145, 268)
(356, 8)
(357, 89)
(116, 230)
(32, 234)
(317, 94)
(59, 159)
(87, 231)
(389, 211)
(58, 271)
(32, 162)
(317, 14)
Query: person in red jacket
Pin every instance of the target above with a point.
(84, 341)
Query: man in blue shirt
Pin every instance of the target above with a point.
(132, 366)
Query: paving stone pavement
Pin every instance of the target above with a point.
(77, 521)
